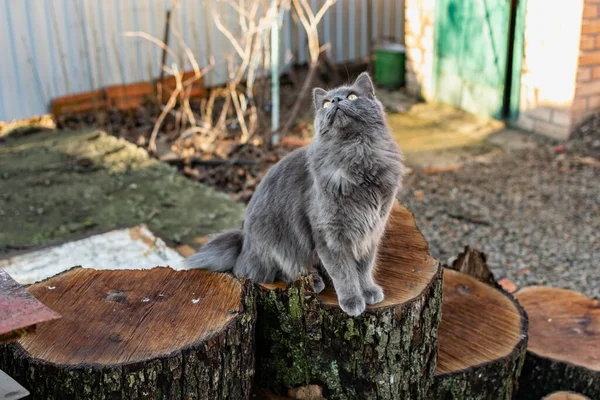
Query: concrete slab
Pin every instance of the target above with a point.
(510, 140)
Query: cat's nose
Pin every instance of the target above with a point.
(337, 99)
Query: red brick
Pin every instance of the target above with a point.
(579, 117)
(588, 27)
(596, 73)
(590, 58)
(580, 104)
(590, 11)
(588, 88)
(594, 102)
(584, 74)
(588, 42)
(597, 44)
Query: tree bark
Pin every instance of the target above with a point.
(563, 352)
(494, 380)
(542, 375)
(134, 334)
(482, 339)
(388, 352)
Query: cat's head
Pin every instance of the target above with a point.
(348, 109)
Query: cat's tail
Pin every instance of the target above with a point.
(219, 254)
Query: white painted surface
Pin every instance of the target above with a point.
(132, 248)
(54, 48)
(10, 389)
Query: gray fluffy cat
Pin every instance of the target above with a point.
(324, 206)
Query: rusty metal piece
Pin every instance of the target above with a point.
(19, 310)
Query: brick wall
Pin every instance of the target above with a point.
(550, 62)
(587, 92)
(418, 30)
(560, 81)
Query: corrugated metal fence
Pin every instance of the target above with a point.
(52, 48)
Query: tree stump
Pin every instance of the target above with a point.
(565, 396)
(482, 341)
(564, 342)
(139, 334)
(388, 352)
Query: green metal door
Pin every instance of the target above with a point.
(471, 54)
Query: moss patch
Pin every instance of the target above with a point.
(61, 185)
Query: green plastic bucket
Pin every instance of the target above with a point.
(390, 65)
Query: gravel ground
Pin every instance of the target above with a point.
(534, 213)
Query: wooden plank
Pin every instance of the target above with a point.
(19, 310)
(129, 97)
(77, 103)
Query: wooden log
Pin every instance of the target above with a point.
(388, 352)
(473, 262)
(564, 342)
(139, 334)
(565, 396)
(482, 341)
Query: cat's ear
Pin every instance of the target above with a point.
(318, 97)
(364, 83)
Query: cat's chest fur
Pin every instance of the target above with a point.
(362, 169)
(354, 188)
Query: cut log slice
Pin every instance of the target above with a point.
(139, 334)
(565, 396)
(482, 341)
(388, 352)
(564, 342)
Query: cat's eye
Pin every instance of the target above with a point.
(352, 96)
(326, 104)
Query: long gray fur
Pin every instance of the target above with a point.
(323, 207)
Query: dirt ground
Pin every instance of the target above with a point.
(535, 212)
(60, 185)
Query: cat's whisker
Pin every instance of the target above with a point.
(354, 114)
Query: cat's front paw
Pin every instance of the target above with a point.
(318, 284)
(353, 306)
(373, 295)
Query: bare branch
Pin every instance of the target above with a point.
(152, 39)
(310, 23)
(308, 11)
(323, 10)
(240, 114)
(187, 51)
(170, 104)
(303, 18)
(228, 35)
